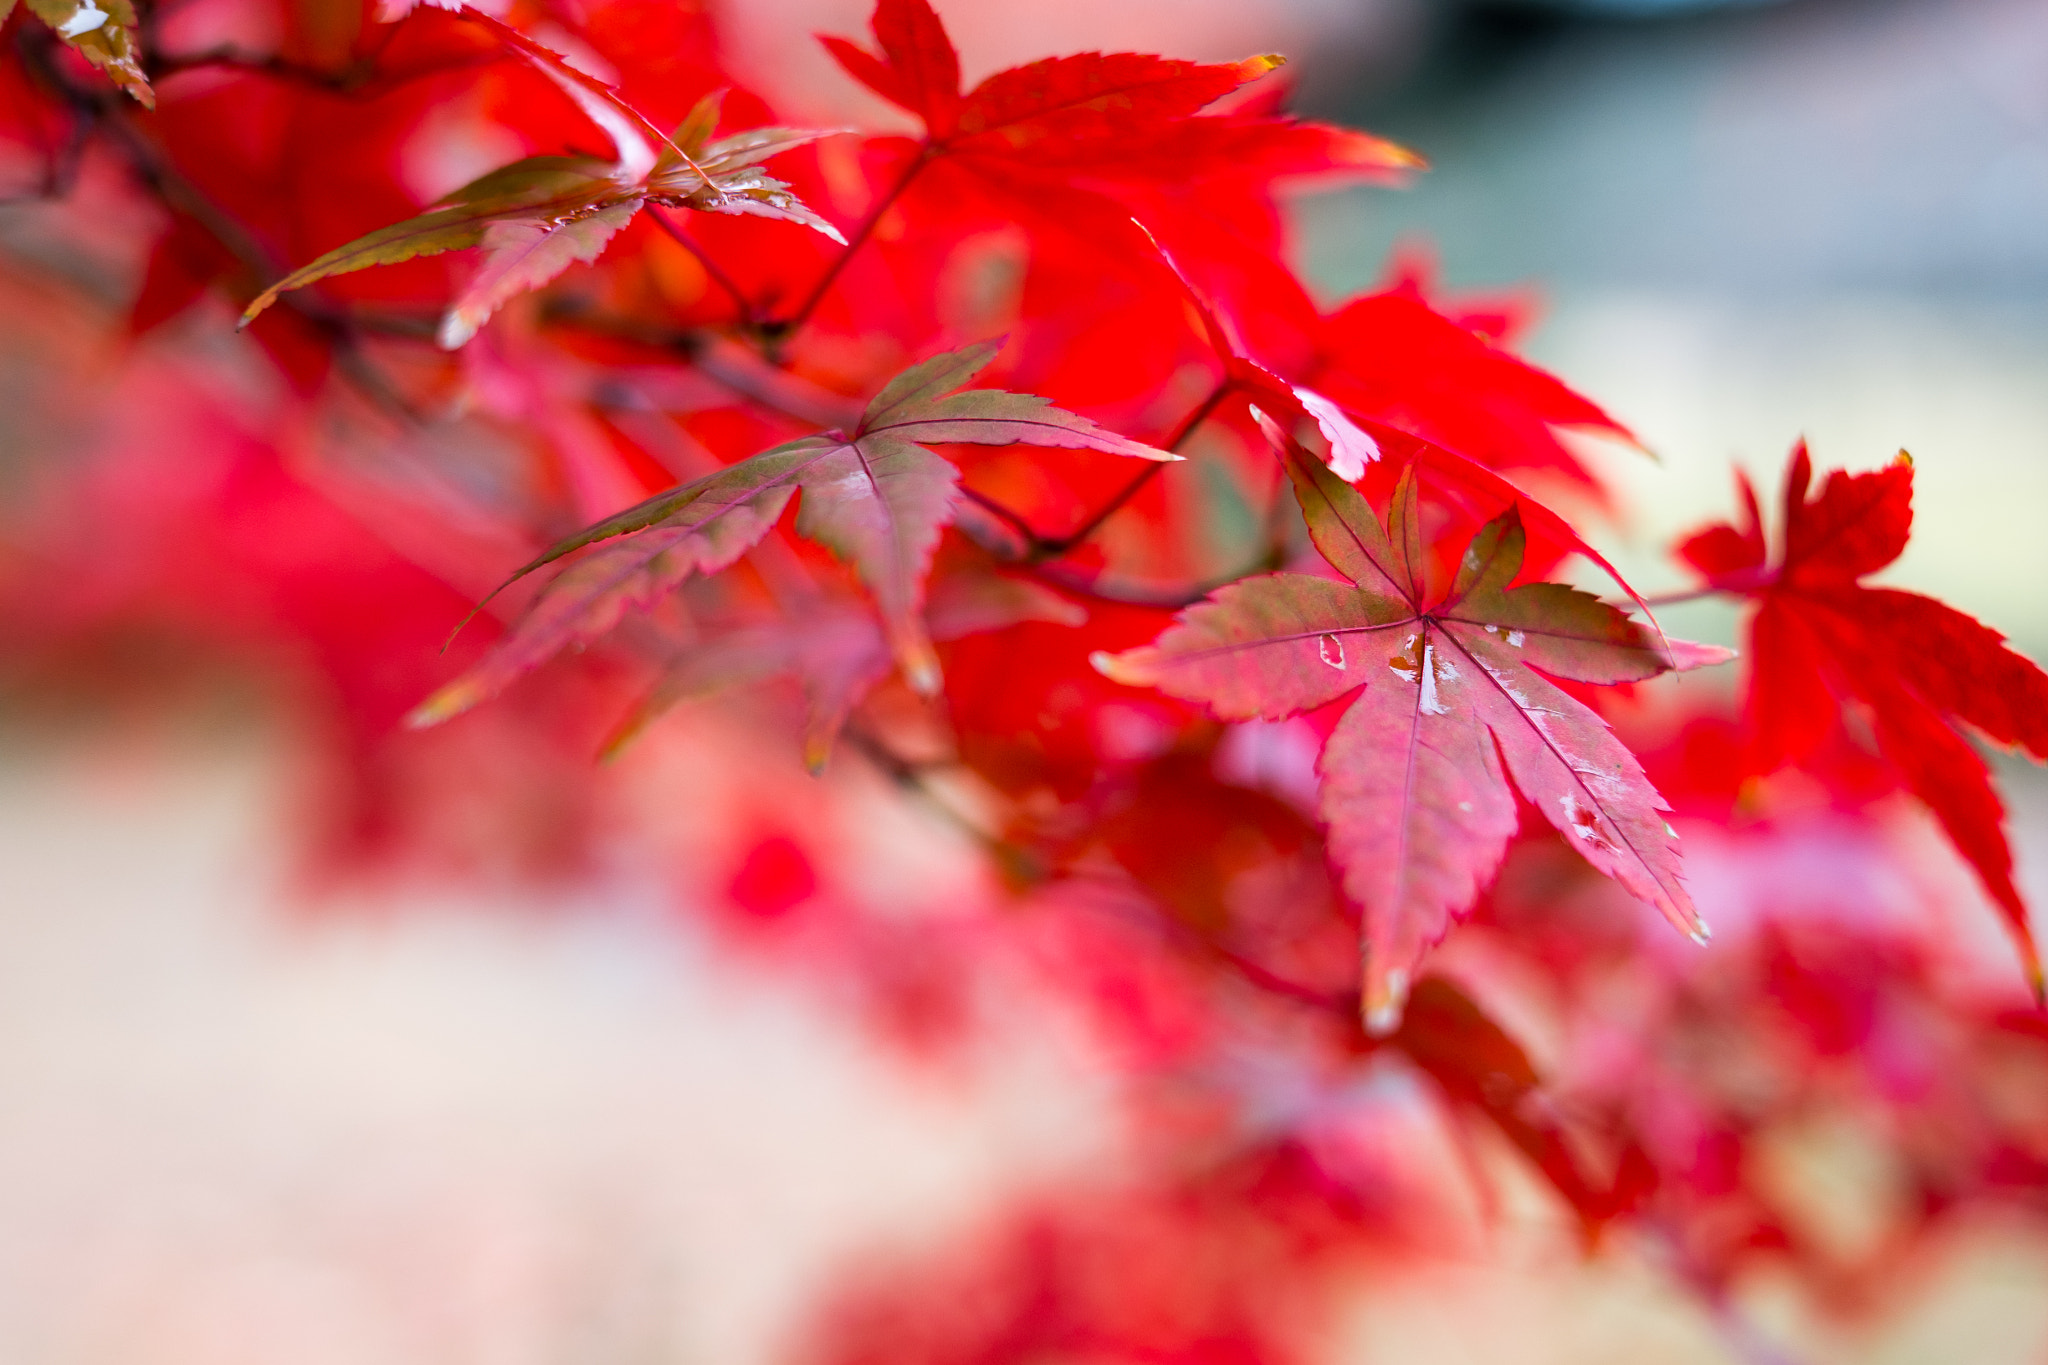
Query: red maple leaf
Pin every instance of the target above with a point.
(1123, 113)
(1453, 677)
(1392, 357)
(1922, 668)
(1493, 390)
(1126, 127)
(876, 496)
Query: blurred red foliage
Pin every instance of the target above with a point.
(315, 504)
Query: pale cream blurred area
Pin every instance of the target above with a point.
(456, 1130)
(462, 1129)
(435, 1129)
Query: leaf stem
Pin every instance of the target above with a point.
(1734, 585)
(359, 79)
(780, 329)
(1038, 546)
(914, 778)
(1164, 599)
(712, 268)
(1049, 549)
(1008, 516)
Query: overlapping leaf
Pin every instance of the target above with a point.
(1349, 446)
(536, 217)
(103, 33)
(1450, 687)
(1922, 668)
(877, 497)
(1480, 1066)
(1116, 113)
(835, 652)
(1389, 356)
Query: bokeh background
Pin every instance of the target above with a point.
(462, 1125)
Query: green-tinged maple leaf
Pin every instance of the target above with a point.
(523, 254)
(1412, 784)
(836, 652)
(723, 175)
(542, 194)
(101, 31)
(877, 497)
(537, 216)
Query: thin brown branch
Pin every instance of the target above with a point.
(1053, 547)
(1026, 532)
(712, 268)
(721, 359)
(781, 329)
(61, 163)
(1164, 599)
(915, 778)
(1038, 546)
(359, 79)
(107, 112)
(1731, 585)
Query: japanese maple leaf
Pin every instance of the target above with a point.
(1392, 357)
(538, 216)
(876, 496)
(1820, 636)
(835, 651)
(1118, 113)
(1395, 358)
(1349, 445)
(1479, 1065)
(105, 35)
(1451, 684)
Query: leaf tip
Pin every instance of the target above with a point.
(1386, 995)
(1682, 656)
(1129, 668)
(2030, 963)
(455, 331)
(1251, 68)
(921, 669)
(446, 704)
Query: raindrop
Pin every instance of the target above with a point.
(1430, 704)
(1333, 652)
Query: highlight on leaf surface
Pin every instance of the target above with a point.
(1921, 669)
(103, 32)
(1453, 699)
(877, 497)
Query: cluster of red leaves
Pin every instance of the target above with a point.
(912, 447)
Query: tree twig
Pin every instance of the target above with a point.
(780, 330)
(1053, 547)
(712, 268)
